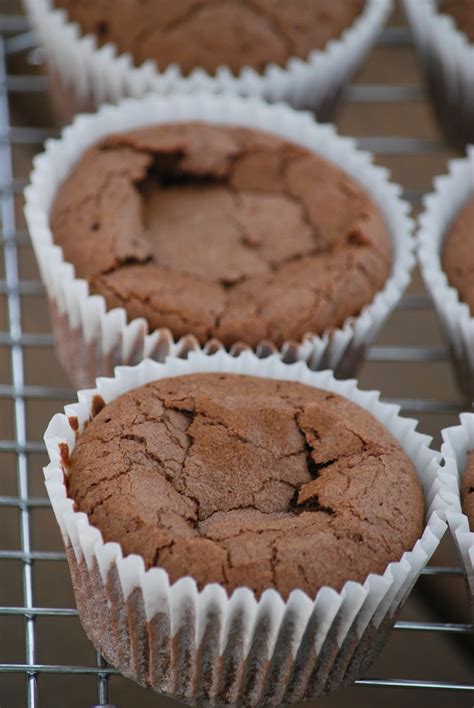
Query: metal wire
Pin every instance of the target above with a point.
(14, 36)
(17, 371)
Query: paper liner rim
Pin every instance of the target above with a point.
(126, 378)
(430, 245)
(372, 16)
(439, 24)
(394, 207)
(462, 437)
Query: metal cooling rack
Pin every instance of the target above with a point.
(15, 37)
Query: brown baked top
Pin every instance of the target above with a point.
(221, 232)
(462, 12)
(209, 34)
(467, 490)
(247, 481)
(458, 254)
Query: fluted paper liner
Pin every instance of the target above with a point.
(451, 193)
(204, 646)
(92, 340)
(99, 75)
(448, 57)
(458, 442)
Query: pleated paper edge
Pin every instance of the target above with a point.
(451, 192)
(355, 606)
(107, 76)
(109, 330)
(458, 441)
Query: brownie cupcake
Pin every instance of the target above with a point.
(301, 52)
(445, 253)
(458, 254)
(204, 34)
(221, 232)
(444, 35)
(216, 508)
(202, 224)
(457, 476)
(467, 489)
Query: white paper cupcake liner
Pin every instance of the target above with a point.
(448, 58)
(451, 193)
(92, 340)
(458, 442)
(100, 75)
(204, 646)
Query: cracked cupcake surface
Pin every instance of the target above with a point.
(221, 232)
(247, 481)
(209, 34)
(467, 490)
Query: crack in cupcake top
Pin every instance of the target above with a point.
(221, 232)
(247, 481)
(467, 490)
(212, 33)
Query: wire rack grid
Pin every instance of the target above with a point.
(15, 341)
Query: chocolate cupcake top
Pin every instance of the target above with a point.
(247, 481)
(467, 490)
(458, 254)
(209, 34)
(221, 232)
(462, 12)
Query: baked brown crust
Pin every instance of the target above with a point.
(221, 232)
(247, 481)
(458, 254)
(209, 34)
